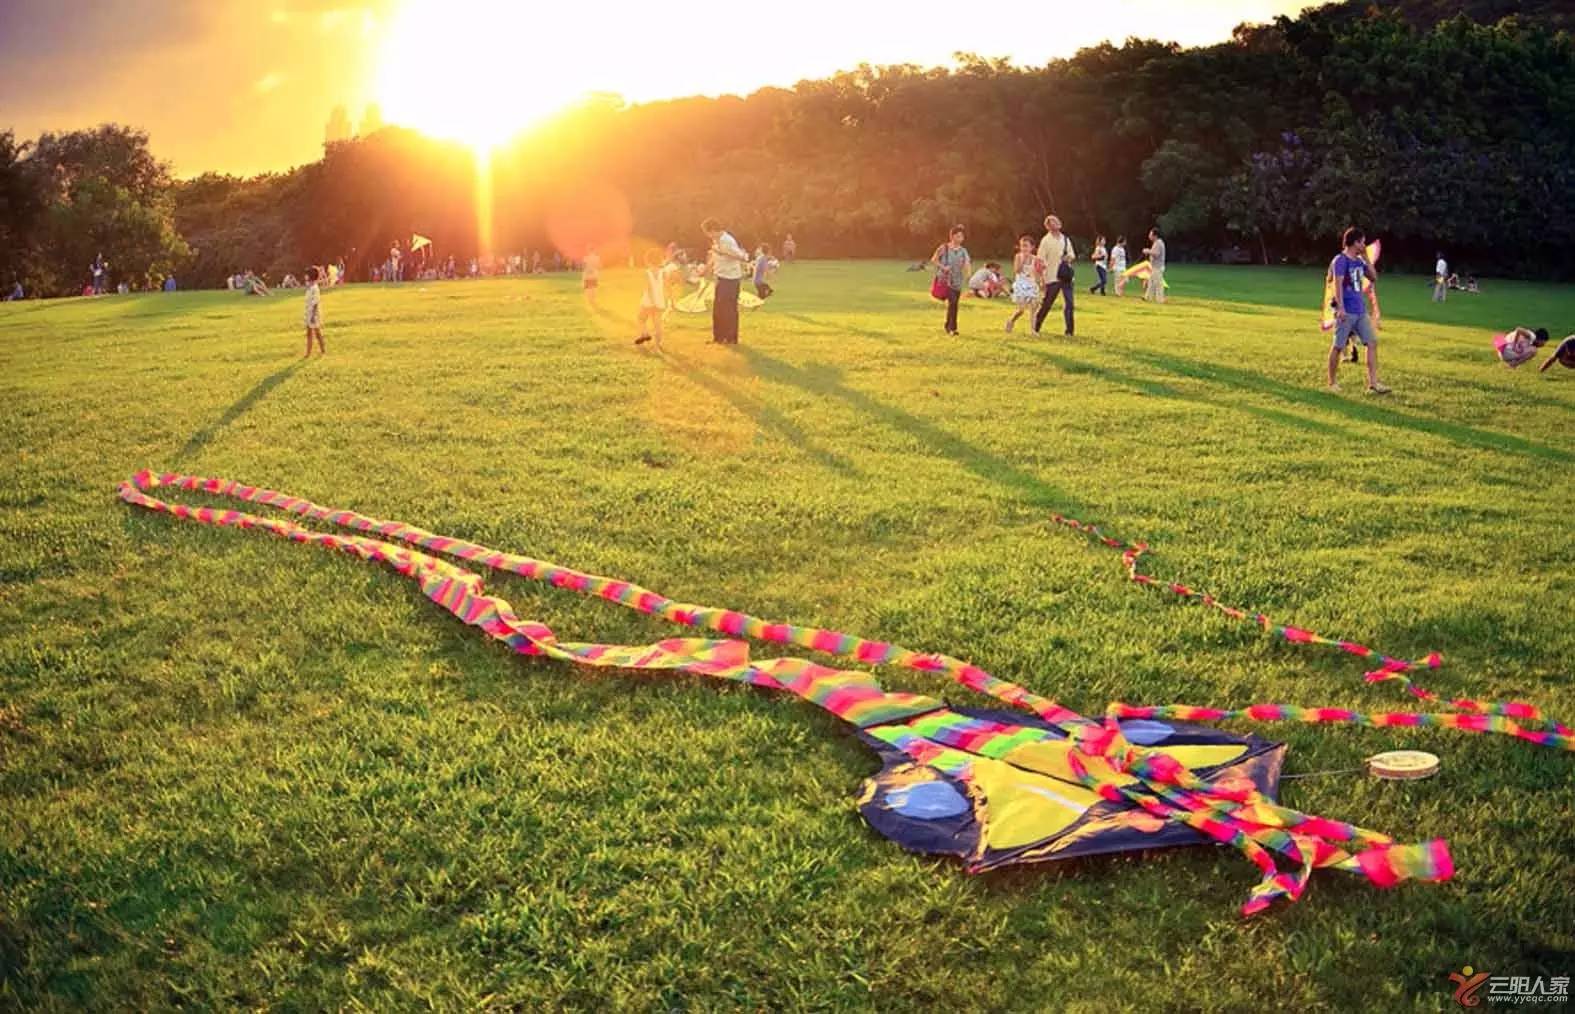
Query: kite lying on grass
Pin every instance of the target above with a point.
(700, 300)
(994, 788)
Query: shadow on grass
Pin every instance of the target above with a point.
(764, 415)
(826, 381)
(837, 328)
(1360, 411)
(244, 404)
(1509, 395)
(1157, 389)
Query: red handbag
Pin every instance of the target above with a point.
(940, 289)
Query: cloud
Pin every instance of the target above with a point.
(268, 82)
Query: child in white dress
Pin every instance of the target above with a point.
(314, 314)
(653, 297)
(1028, 270)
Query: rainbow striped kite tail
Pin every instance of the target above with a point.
(1391, 668)
(1387, 865)
(1271, 889)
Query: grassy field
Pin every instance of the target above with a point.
(237, 772)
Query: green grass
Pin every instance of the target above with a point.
(236, 772)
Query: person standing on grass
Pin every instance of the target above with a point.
(1154, 290)
(314, 314)
(1349, 269)
(1440, 278)
(789, 248)
(98, 269)
(1101, 260)
(952, 268)
(653, 298)
(591, 276)
(1118, 264)
(1057, 253)
(726, 262)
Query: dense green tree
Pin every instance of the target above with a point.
(21, 211)
(78, 195)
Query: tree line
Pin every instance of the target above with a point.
(1454, 135)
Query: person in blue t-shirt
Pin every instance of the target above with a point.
(1349, 270)
(762, 270)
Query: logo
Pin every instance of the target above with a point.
(1469, 986)
(1514, 989)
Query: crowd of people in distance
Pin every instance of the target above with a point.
(1042, 275)
(668, 272)
(97, 282)
(253, 284)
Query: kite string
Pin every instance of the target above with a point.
(1387, 668)
(726, 621)
(738, 624)
(1488, 717)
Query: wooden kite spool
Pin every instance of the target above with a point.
(1402, 764)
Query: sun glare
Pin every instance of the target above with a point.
(477, 71)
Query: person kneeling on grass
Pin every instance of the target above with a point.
(1564, 355)
(314, 314)
(764, 265)
(1349, 269)
(653, 297)
(987, 282)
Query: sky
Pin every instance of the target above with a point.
(246, 86)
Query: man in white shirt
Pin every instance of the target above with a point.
(1440, 278)
(1057, 253)
(728, 261)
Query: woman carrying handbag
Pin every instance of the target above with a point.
(952, 268)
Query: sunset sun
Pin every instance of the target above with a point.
(457, 69)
